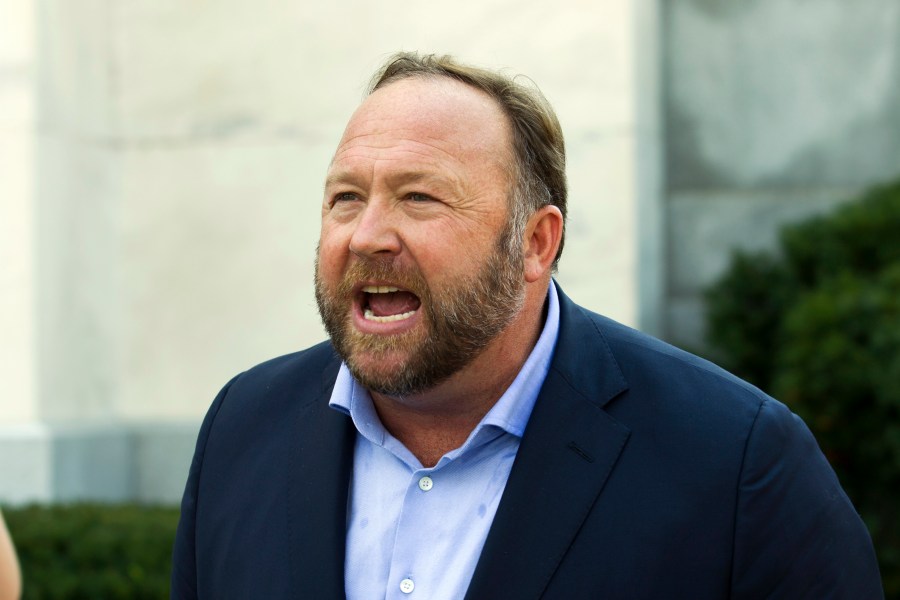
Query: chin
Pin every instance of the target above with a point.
(379, 371)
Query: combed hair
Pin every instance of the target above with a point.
(539, 171)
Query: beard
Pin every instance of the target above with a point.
(460, 318)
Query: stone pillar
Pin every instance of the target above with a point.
(20, 468)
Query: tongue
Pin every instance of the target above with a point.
(393, 303)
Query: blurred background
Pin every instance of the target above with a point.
(161, 169)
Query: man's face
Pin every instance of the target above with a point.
(413, 273)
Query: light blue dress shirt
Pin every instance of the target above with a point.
(415, 532)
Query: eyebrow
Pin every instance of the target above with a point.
(394, 180)
(340, 176)
(414, 177)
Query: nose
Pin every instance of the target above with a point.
(376, 234)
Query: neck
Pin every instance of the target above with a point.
(440, 419)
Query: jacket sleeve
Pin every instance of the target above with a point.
(184, 556)
(796, 533)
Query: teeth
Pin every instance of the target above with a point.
(370, 316)
(380, 289)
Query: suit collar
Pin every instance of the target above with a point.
(581, 343)
(569, 448)
(319, 470)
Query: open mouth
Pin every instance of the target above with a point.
(385, 303)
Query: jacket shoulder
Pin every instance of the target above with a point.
(650, 367)
(312, 369)
(643, 358)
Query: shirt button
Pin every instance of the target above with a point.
(407, 586)
(426, 483)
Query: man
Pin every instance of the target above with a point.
(469, 431)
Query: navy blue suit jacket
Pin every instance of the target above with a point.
(644, 472)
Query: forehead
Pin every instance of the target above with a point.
(430, 120)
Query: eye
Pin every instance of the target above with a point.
(419, 197)
(343, 197)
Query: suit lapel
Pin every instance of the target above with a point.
(567, 453)
(319, 470)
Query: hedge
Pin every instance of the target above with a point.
(91, 551)
(817, 324)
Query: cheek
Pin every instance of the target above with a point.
(332, 257)
(441, 255)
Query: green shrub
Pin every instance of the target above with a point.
(818, 325)
(94, 551)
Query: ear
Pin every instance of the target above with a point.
(543, 235)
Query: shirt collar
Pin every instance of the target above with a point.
(510, 413)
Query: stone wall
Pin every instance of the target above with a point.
(179, 150)
(161, 167)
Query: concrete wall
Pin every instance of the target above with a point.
(774, 110)
(161, 166)
(17, 257)
(172, 206)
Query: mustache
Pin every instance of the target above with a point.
(384, 271)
